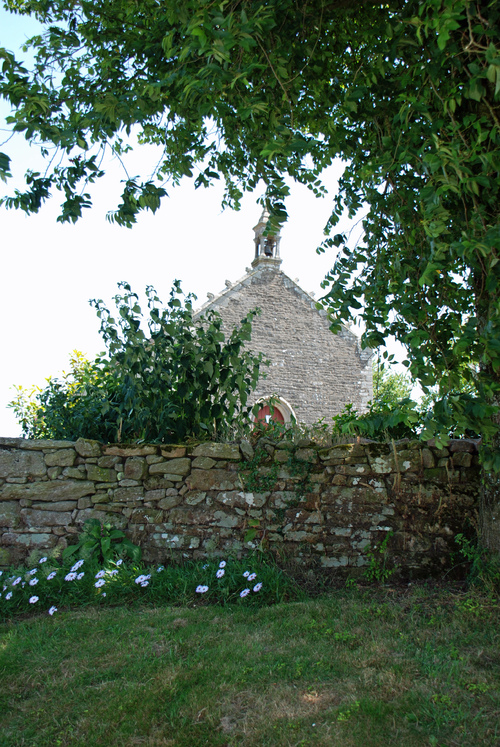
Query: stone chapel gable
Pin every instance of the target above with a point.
(313, 372)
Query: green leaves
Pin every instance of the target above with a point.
(165, 377)
(102, 542)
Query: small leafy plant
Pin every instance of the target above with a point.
(484, 566)
(104, 542)
(378, 556)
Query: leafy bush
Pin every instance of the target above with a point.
(103, 542)
(163, 379)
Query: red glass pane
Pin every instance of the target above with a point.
(264, 415)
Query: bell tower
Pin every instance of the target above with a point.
(267, 247)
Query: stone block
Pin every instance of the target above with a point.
(179, 467)
(129, 451)
(198, 516)
(154, 495)
(306, 455)
(59, 506)
(241, 499)
(54, 472)
(42, 444)
(462, 445)
(75, 473)
(18, 463)
(136, 468)
(29, 540)
(157, 482)
(174, 452)
(117, 520)
(212, 479)
(218, 451)
(101, 474)
(55, 490)
(61, 458)
(339, 562)
(9, 513)
(101, 498)
(428, 461)
(109, 462)
(85, 447)
(192, 498)
(84, 503)
(221, 519)
(203, 463)
(170, 501)
(34, 518)
(247, 450)
(382, 464)
(154, 459)
(462, 459)
(124, 495)
(146, 516)
(299, 536)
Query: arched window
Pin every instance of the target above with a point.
(275, 409)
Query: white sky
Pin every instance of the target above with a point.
(50, 271)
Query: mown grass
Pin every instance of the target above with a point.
(406, 666)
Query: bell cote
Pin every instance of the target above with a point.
(267, 245)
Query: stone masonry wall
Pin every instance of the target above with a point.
(315, 371)
(320, 507)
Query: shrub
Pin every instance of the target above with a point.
(161, 379)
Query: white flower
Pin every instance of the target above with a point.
(201, 589)
(246, 574)
(100, 574)
(119, 562)
(222, 564)
(52, 610)
(113, 573)
(99, 583)
(257, 587)
(51, 576)
(80, 575)
(70, 576)
(252, 576)
(8, 595)
(245, 592)
(140, 579)
(33, 582)
(220, 573)
(1, 573)
(33, 600)
(204, 567)
(42, 560)
(145, 583)
(17, 581)
(34, 570)
(103, 594)
(23, 584)
(77, 565)
(3, 589)
(160, 568)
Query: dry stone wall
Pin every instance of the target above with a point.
(320, 507)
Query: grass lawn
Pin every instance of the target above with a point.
(406, 666)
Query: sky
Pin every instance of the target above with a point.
(50, 271)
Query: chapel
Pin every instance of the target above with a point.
(313, 372)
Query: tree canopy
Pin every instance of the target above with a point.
(406, 92)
